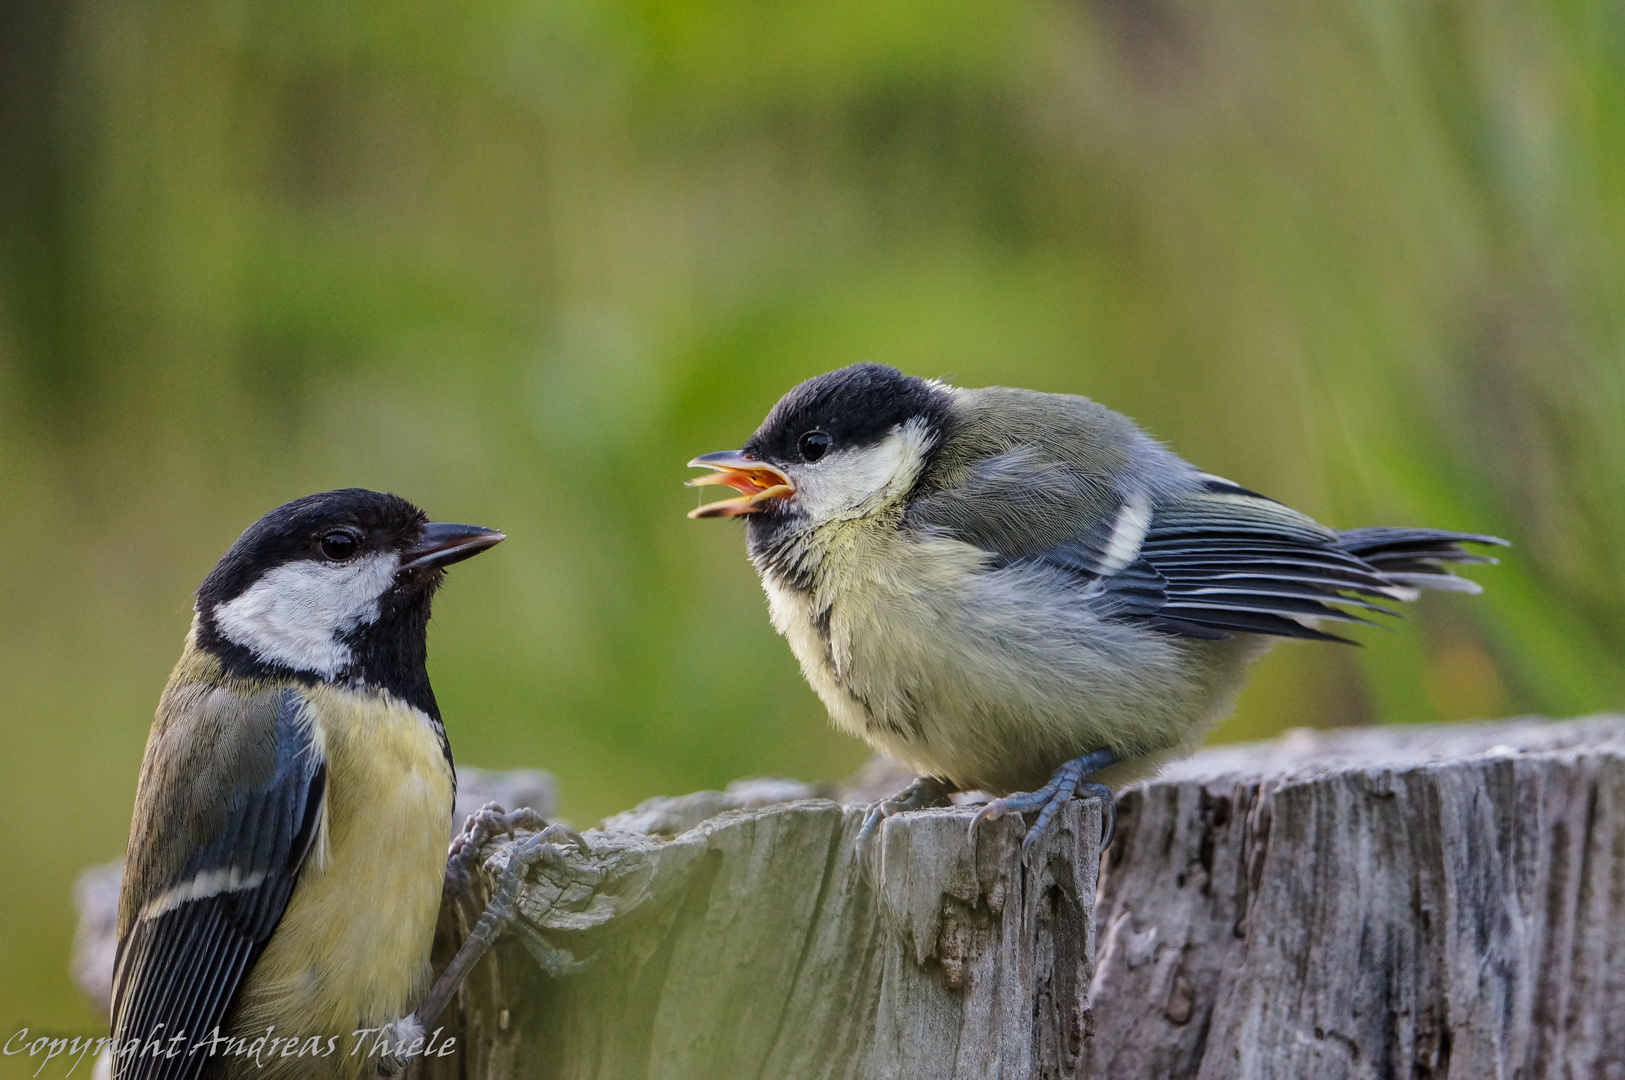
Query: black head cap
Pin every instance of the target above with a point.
(854, 407)
(261, 610)
(296, 530)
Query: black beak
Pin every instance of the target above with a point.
(442, 543)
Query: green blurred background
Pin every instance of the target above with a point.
(520, 259)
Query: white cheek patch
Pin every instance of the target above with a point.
(853, 483)
(296, 614)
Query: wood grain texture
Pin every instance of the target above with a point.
(1376, 903)
(1385, 902)
(753, 945)
(1388, 902)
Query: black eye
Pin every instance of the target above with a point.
(814, 445)
(339, 546)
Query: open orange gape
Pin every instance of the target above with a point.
(756, 481)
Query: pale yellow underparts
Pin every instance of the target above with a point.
(352, 949)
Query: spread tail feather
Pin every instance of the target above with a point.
(1419, 558)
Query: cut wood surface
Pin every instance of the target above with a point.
(1381, 902)
(753, 944)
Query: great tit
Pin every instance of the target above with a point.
(1011, 591)
(289, 840)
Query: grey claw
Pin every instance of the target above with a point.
(871, 822)
(556, 833)
(558, 963)
(924, 792)
(1108, 809)
(992, 811)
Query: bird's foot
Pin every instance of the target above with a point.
(545, 846)
(924, 792)
(1069, 781)
(483, 826)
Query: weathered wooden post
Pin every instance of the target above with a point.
(1382, 902)
(754, 945)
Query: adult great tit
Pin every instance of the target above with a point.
(289, 839)
(1011, 591)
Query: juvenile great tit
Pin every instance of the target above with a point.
(289, 839)
(1012, 592)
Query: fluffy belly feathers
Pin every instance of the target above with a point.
(994, 689)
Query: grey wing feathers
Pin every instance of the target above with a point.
(181, 963)
(1226, 560)
(1069, 484)
(1021, 505)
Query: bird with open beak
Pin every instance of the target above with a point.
(1024, 593)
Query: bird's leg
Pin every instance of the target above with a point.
(544, 846)
(1069, 780)
(500, 913)
(925, 791)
